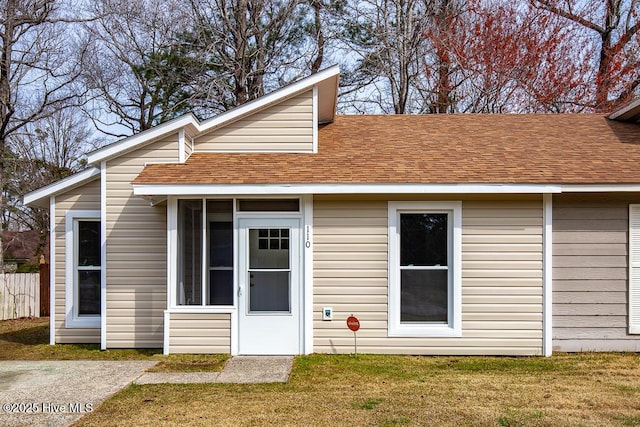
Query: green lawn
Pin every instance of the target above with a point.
(334, 390)
(28, 339)
(337, 390)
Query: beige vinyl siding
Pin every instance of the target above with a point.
(85, 197)
(136, 251)
(590, 248)
(286, 126)
(203, 333)
(501, 278)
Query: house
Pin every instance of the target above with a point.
(260, 230)
(23, 250)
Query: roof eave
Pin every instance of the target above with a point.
(339, 188)
(627, 113)
(40, 197)
(187, 121)
(326, 80)
(163, 190)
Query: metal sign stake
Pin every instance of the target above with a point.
(355, 344)
(354, 324)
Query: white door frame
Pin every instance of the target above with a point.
(255, 329)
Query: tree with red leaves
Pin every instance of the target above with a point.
(493, 57)
(612, 30)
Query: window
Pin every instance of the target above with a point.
(205, 261)
(274, 238)
(424, 268)
(269, 270)
(269, 205)
(83, 269)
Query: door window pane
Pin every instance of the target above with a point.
(269, 291)
(271, 251)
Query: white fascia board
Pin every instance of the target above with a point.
(40, 197)
(635, 104)
(243, 189)
(272, 98)
(600, 188)
(149, 135)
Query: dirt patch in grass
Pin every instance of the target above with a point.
(582, 389)
(28, 339)
(191, 363)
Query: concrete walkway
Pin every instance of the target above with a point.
(238, 370)
(58, 393)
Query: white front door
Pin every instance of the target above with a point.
(269, 301)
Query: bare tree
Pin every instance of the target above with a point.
(317, 32)
(615, 28)
(135, 77)
(386, 39)
(37, 69)
(250, 47)
(43, 152)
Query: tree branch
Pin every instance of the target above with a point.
(547, 5)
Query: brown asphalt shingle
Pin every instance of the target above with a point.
(495, 149)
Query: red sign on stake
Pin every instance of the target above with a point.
(353, 323)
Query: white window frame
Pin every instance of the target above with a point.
(72, 318)
(424, 329)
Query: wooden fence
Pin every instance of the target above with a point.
(19, 295)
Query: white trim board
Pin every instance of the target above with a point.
(52, 270)
(600, 188)
(298, 189)
(103, 253)
(291, 189)
(547, 271)
(307, 274)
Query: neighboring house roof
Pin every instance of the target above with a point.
(25, 245)
(432, 149)
(325, 80)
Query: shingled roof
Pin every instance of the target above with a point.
(433, 149)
